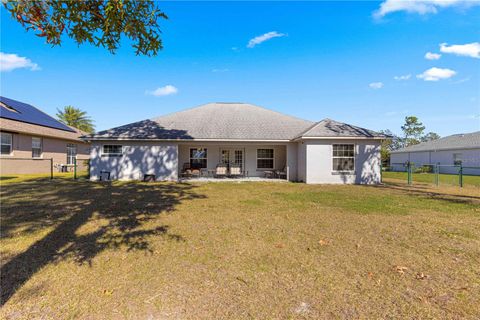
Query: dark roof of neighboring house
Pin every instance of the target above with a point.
(33, 129)
(19, 111)
(455, 141)
(228, 121)
(332, 128)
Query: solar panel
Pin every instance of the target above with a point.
(27, 113)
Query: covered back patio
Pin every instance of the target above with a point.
(245, 161)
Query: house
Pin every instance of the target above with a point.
(259, 141)
(447, 152)
(31, 140)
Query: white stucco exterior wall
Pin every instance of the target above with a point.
(138, 158)
(309, 161)
(470, 158)
(301, 162)
(319, 163)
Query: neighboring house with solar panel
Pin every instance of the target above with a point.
(448, 152)
(29, 135)
(219, 140)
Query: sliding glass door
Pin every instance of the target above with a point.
(232, 156)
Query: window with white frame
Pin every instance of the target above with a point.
(36, 147)
(198, 158)
(71, 153)
(6, 143)
(265, 159)
(343, 157)
(457, 159)
(239, 157)
(112, 149)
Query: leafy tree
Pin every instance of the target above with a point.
(413, 134)
(430, 136)
(388, 145)
(101, 23)
(76, 118)
(412, 131)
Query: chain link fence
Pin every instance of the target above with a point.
(432, 174)
(42, 168)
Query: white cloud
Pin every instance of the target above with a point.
(420, 6)
(11, 61)
(376, 85)
(163, 91)
(397, 113)
(264, 37)
(435, 74)
(391, 113)
(468, 50)
(220, 70)
(432, 56)
(404, 77)
(462, 80)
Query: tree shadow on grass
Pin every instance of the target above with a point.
(114, 215)
(7, 177)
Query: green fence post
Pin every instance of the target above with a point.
(460, 176)
(74, 168)
(381, 172)
(409, 173)
(51, 168)
(437, 170)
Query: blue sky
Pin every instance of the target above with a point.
(326, 60)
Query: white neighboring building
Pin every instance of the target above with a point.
(242, 138)
(447, 152)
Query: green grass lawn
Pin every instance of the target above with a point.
(78, 249)
(445, 179)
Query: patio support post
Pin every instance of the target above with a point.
(437, 169)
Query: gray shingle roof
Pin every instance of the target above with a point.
(456, 141)
(332, 128)
(230, 121)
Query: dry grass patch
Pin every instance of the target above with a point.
(248, 250)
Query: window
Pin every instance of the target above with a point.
(6, 143)
(265, 158)
(198, 158)
(225, 156)
(343, 157)
(457, 159)
(71, 153)
(239, 157)
(36, 147)
(112, 149)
